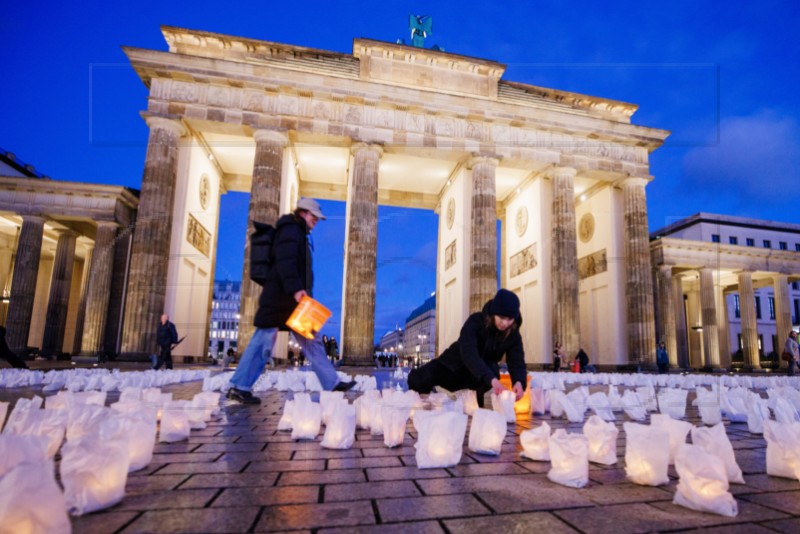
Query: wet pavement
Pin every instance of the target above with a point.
(240, 474)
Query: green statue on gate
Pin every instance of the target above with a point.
(421, 26)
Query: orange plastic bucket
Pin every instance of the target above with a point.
(524, 404)
(308, 317)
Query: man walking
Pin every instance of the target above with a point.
(166, 336)
(792, 350)
(290, 277)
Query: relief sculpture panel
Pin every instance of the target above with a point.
(523, 261)
(592, 264)
(450, 255)
(198, 236)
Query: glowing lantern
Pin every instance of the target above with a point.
(308, 317)
(646, 454)
(783, 449)
(393, 421)
(285, 422)
(703, 484)
(94, 472)
(340, 432)
(677, 430)
(569, 459)
(487, 431)
(440, 439)
(602, 439)
(174, 424)
(329, 401)
(715, 441)
(23, 491)
(504, 403)
(524, 404)
(376, 418)
(536, 443)
(306, 417)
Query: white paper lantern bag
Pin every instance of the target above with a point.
(440, 440)
(600, 404)
(83, 417)
(647, 398)
(539, 401)
(703, 484)
(602, 440)
(376, 418)
(469, 398)
(536, 443)
(362, 413)
(306, 417)
(677, 431)
(487, 432)
(340, 432)
(569, 459)
(646, 454)
(733, 403)
(31, 501)
(783, 449)
(504, 404)
(757, 413)
(784, 411)
(554, 397)
(94, 471)
(174, 424)
(715, 441)
(394, 420)
(329, 400)
(672, 402)
(708, 404)
(285, 422)
(19, 449)
(633, 407)
(17, 419)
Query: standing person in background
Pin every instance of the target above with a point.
(289, 279)
(471, 362)
(558, 357)
(327, 344)
(333, 349)
(6, 353)
(662, 358)
(792, 350)
(166, 336)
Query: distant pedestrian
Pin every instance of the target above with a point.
(662, 358)
(792, 350)
(166, 336)
(558, 357)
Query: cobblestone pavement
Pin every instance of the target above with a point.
(241, 474)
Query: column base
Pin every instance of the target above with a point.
(133, 357)
(85, 358)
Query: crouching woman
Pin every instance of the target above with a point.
(472, 361)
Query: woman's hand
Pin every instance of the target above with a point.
(518, 390)
(497, 387)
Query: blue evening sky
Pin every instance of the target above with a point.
(721, 76)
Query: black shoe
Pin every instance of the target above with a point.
(344, 386)
(245, 397)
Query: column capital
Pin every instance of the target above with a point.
(32, 218)
(358, 147)
(481, 159)
(634, 181)
(107, 224)
(156, 121)
(558, 170)
(274, 136)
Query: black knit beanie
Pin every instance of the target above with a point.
(505, 303)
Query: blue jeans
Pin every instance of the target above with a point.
(259, 352)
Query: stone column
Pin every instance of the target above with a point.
(783, 312)
(722, 324)
(564, 266)
(60, 284)
(80, 317)
(147, 281)
(265, 197)
(747, 308)
(23, 282)
(681, 356)
(99, 289)
(483, 232)
(667, 312)
(708, 310)
(638, 280)
(361, 260)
